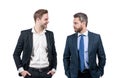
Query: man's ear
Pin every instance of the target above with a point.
(84, 23)
(37, 19)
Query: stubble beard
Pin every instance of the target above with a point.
(78, 29)
(44, 26)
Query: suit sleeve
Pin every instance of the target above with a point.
(101, 57)
(18, 50)
(54, 53)
(66, 58)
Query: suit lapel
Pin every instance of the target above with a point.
(90, 42)
(47, 38)
(75, 44)
(30, 39)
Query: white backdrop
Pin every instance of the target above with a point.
(17, 15)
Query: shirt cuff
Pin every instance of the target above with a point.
(53, 70)
(20, 69)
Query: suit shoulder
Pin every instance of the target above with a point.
(72, 35)
(95, 34)
(27, 30)
(48, 31)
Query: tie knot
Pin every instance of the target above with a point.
(82, 35)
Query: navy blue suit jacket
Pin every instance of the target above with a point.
(25, 45)
(95, 50)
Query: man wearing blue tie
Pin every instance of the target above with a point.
(82, 50)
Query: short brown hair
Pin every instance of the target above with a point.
(82, 16)
(39, 13)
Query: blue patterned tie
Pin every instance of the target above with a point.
(81, 53)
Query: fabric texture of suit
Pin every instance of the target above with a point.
(25, 45)
(95, 49)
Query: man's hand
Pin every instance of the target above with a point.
(51, 72)
(24, 73)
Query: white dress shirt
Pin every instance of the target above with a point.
(86, 40)
(39, 54)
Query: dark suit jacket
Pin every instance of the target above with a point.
(95, 49)
(25, 45)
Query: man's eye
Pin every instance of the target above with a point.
(75, 23)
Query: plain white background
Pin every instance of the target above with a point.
(17, 15)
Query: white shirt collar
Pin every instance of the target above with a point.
(85, 33)
(33, 31)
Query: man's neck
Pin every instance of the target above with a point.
(83, 31)
(38, 29)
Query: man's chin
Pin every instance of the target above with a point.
(45, 26)
(75, 30)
